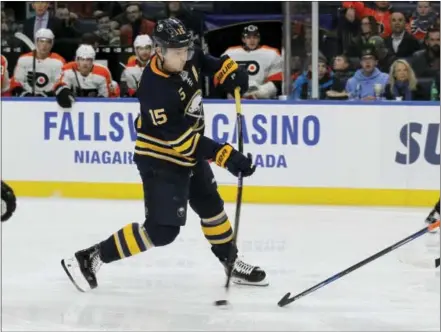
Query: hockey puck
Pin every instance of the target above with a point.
(220, 303)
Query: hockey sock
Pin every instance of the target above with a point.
(217, 230)
(128, 241)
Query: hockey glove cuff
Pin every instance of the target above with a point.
(64, 96)
(234, 161)
(227, 68)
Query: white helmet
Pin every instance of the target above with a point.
(142, 40)
(86, 52)
(44, 34)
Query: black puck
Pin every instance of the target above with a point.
(220, 302)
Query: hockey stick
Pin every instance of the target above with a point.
(239, 186)
(25, 39)
(287, 300)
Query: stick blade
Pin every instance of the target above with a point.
(284, 300)
(25, 39)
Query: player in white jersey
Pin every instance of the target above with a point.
(136, 64)
(47, 68)
(264, 64)
(83, 78)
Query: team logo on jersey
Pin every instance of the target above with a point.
(41, 79)
(252, 67)
(194, 106)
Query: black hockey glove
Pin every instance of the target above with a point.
(8, 202)
(65, 97)
(231, 76)
(234, 161)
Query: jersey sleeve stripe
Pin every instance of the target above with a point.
(186, 145)
(193, 146)
(176, 143)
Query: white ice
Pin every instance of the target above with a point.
(173, 288)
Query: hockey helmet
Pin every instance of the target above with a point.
(251, 30)
(85, 52)
(142, 40)
(171, 33)
(44, 33)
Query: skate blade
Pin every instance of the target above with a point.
(68, 268)
(242, 282)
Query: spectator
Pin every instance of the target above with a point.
(137, 25)
(10, 21)
(348, 29)
(403, 84)
(368, 29)
(381, 14)
(401, 43)
(342, 73)
(422, 19)
(48, 67)
(426, 62)
(385, 57)
(112, 7)
(302, 86)
(363, 84)
(9, 27)
(191, 19)
(69, 21)
(105, 35)
(435, 89)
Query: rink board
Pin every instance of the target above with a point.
(307, 153)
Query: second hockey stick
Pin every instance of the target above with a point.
(287, 299)
(239, 184)
(25, 39)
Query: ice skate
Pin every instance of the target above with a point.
(82, 268)
(247, 274)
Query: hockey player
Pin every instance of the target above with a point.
(136, 64)
(4, 76)
(171, 154)
(47, 68)
(9, 202)
(264, 64)
(83, 78)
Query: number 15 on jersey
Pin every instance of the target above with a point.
(158, 116)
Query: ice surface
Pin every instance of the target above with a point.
(173, 288)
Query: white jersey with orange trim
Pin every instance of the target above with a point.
(132, 75)
(47, 72)
(95, 84)
(4, 83)
(264, 65)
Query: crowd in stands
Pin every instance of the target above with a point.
(375, 51)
